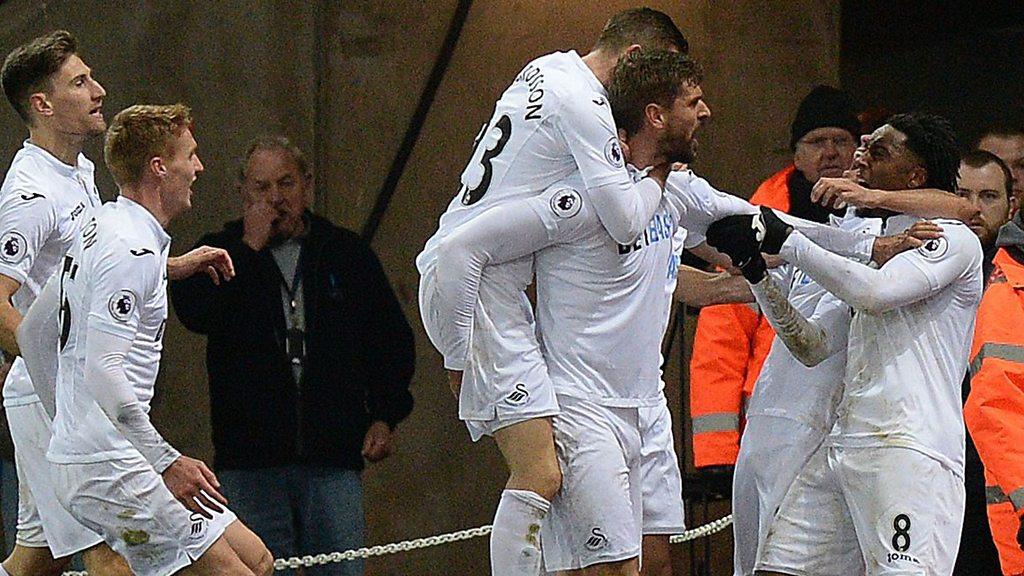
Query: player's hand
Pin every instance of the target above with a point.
(258, 221)
(192, 484)
(216, 262)
(885, 248)
(842, 192)
(377, 444)
(455, 381)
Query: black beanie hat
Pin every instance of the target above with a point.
(824, 107)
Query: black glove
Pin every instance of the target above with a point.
(736, 237)
(755, 269)
(775, 231)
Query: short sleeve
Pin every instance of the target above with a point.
(120, 283)
(26, 220)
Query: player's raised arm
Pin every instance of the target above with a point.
(922, 202)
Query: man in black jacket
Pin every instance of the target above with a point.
(309, 359)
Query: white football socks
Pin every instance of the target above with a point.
(515, 537)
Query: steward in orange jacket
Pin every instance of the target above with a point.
(995, 406)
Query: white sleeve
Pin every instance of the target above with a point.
(623, 207)
(856, 245)
(119, 282)
(500, 234)
(106, 383)
(700, 205)
(907, 278)
(27, 219)
(38, 336)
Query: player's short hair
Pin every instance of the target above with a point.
(272, 142)
(981, 158)
(998, 128)
(29, 68)
(646, 77)
(644, 26)
(139, 133)
(932, 138)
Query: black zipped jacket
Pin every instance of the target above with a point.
(359, 351)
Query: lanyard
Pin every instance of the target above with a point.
(296, 284)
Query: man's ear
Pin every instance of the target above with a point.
(653, 115)
(157, 167)
(632, 49)
(39, 103)
(918, 176)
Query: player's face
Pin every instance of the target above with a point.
(1010, 149)
(272, 176)
(687, 114)
(853, 172)
(824, 152)
(76, 100)
(887, 163)
(183, 166)
(985, 189)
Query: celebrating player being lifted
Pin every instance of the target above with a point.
(552, 121)
(114, 472)
(884, 494)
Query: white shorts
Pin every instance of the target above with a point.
(772, 452)
(42, 521)
(661, 481)
(127, 502)
(506, 379)
(596, 517)
(874, 511)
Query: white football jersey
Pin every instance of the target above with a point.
(113, 280)
(43, 204)
(552, 121)
(786, 388)
(905, 366)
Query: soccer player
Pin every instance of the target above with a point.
(554, 120)
(113, 471)
(46, 197)
(884, 494)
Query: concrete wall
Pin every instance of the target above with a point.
(343, 80)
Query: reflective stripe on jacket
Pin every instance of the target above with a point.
(995, 406)
(731, 344)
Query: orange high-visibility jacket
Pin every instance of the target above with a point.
(731, 344)
(995, 406)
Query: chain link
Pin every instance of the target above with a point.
(430, 541)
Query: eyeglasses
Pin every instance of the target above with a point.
(822, 141)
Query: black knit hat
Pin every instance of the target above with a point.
(824, 107)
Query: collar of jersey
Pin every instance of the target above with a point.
(144, 215)
(898, 223)
(588, 73)
(61, 168)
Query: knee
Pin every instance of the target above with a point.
(265, 564)
(102, 561)
(547, 480)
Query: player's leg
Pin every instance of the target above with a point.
(506, 393)
(662, 486)
(47, 534)
(101, 560)
(773, 451)
(249, 548)
(813, 532)
(657, 554)
(594, 526)
(907, 509)
(220, 559)
(29, 561)
(534, 478)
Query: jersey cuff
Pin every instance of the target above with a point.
(13, 273)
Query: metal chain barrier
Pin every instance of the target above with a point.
(406, 545)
